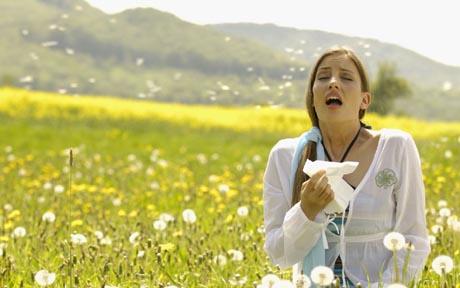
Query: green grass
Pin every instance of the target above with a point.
(104, 173)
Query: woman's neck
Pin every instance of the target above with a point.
(338, 136)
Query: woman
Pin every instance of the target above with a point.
(388, 189)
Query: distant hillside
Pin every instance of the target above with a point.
(68, 46)
(306, 44)
(434, 84)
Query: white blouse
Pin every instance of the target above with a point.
(390, 197)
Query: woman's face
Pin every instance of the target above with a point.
(337, 95)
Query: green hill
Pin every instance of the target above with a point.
(70, 47)
(434, 84)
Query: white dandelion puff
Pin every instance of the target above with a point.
(189, 216)
(44, 278)
(19, 232)
(442, 203)
(442, 264)
(78, 239)
(159, 225)
(106, 241)
(236, 255)
(283, 284)
(99, 235)
(166, 217)
(220, 260)
(237, 280)
(394, 241)
(8, 207)
(48, 217)
(436, 229)
(322, 275)
(223, 188)
(397, 285)
(444, 212)
(302, 281)
(116, 202)
(133, 237)
(58, 189)
(269, 280)
(242, 211)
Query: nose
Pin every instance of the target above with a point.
(333, 83)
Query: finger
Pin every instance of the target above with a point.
(326, 193)
(321, 184)
(318, 175)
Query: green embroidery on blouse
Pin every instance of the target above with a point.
(385, 178)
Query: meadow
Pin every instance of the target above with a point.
(166, 194)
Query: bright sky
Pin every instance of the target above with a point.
(429, 27)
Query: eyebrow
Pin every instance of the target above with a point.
(329, 68)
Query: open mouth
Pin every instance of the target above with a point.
(333, 101)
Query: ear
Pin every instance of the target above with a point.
(366, 100)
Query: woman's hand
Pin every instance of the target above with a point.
(315, 194)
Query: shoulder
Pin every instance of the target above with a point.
(396, 137)
(400, 142)
(285, 147)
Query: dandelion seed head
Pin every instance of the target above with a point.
(442, 264)
(189, 216)
(444, 212)
(220, 260)
(133, 238)
(394, 241)
(442, 203)
(283, 284)
(48, 217)
(242, 211)
(8, 207)
(397, 285)
(78, 239)
(322, 275)
(58, 189)
(106, 241)
(159, 225)
(19, 232)
(223, 188)
(436, 229)
(236, 255)
(269, 280)
(166, 217)
(302, 281)
(99, 235)
(44, 278)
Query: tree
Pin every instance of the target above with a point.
(387, 87)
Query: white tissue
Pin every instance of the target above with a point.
(343, 192)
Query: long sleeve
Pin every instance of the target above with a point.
(410, 219)
(289, 234)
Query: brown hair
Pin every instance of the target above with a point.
(309, 151)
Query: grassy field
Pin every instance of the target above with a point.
(133, 161)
